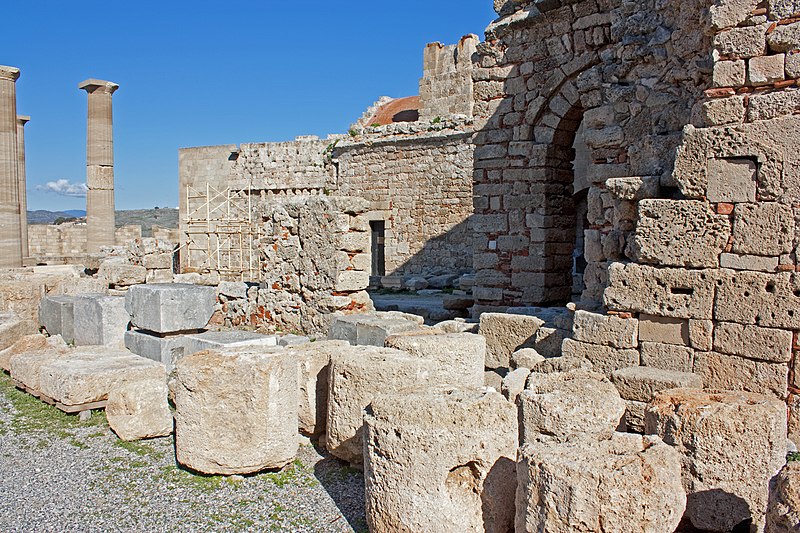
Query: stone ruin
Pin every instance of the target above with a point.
(617, 185)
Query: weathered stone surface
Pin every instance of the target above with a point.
(313, 362)
(170, 307)
(24, 360)
(701, 334)
(494, 378)
(457, 326)
(56, 316)
(664, 330)
(731, 444)
(562, 364)
(670, 292)
(623, 483)
(731, 13)
(566, 403)
(608, 330)
(371, 329)
(121, 274)
(441, 461)
(783, 509)
(139, 409)
(782, 9)
(748, 262)
(86, 375)
(634, 416)
(680, 233)
(514, 383)
(100, 320)
(505, 334)
(357, 375)
(765, 70)
(641, 383)
(525, 358)
(733, 179)
(753, 342)
(767, 300)
(742, 42)
(166, 350)
(214, 340)
(236, 412)
(459, 357)
(604, 359)
(728, 74)
(763, 229)
(633, 187)
(667, 356)
(731, 372)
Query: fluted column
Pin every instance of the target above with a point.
(99, 165)
(10, 227)
(23, 187)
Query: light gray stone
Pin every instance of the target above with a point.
(731, 444)
(753, 342)
(731, 180)
(765, 70)
(563, 363)
(783, 509)
(748, 262)
(139, 410)
(514, 383)
(100, 320)
(215, 340)
(13, 328)
(166, 350)
(56, 316)
(763, 229)
(170, 307)
(236, 411)
(731, 372)
(371, 329)
(24, 360)
(86, 375)
(729, 74)
(623, 483)
(121, 274)
(459, 357)
(667, 356)
(744, 42)
(440, 461)
(526, 358)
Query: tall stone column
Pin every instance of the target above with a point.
(10, 227)
(23, 188)
(99, 165)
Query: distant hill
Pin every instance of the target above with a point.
(164, 217)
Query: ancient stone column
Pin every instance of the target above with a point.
(10, 232)
(99, 165)
(23, 189)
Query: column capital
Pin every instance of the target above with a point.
(23, 119)
(92, 85)
(9, 73)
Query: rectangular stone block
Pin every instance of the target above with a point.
(763, 229)
(641, 383)
(165, 350)
(100, 320)
(700, 334)
(634, 416)
(753, 342)
(170, 307)
(742, 42)
(680, 233)
(604, 359)
(664, 330)
(506, 333)
(749, 262)
(667, 356)
(729, 73)
(731, 179)
(765, 70)
(731, 372)
(371, 329)
(157, 261)
(56, 316)
(217, 340)
(768, 300)
(608, 330)
(87, 375)
(352, 280)
(670, 292)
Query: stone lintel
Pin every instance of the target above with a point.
(23, 119)
(91, 85)
(9, 73)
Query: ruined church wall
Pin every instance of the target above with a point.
(420, 185)
(631, 73)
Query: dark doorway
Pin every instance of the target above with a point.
(378, 228)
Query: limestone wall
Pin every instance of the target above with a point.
(420, 185)
(446, 85)
(631, 73)
(48, 242)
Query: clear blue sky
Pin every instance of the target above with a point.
(196, 73)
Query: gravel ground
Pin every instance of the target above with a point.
(60, 474)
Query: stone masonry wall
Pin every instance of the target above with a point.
(59, 242)
(631, 73)
(417, 178)
(446, 85)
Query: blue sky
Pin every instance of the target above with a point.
(195, 73)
